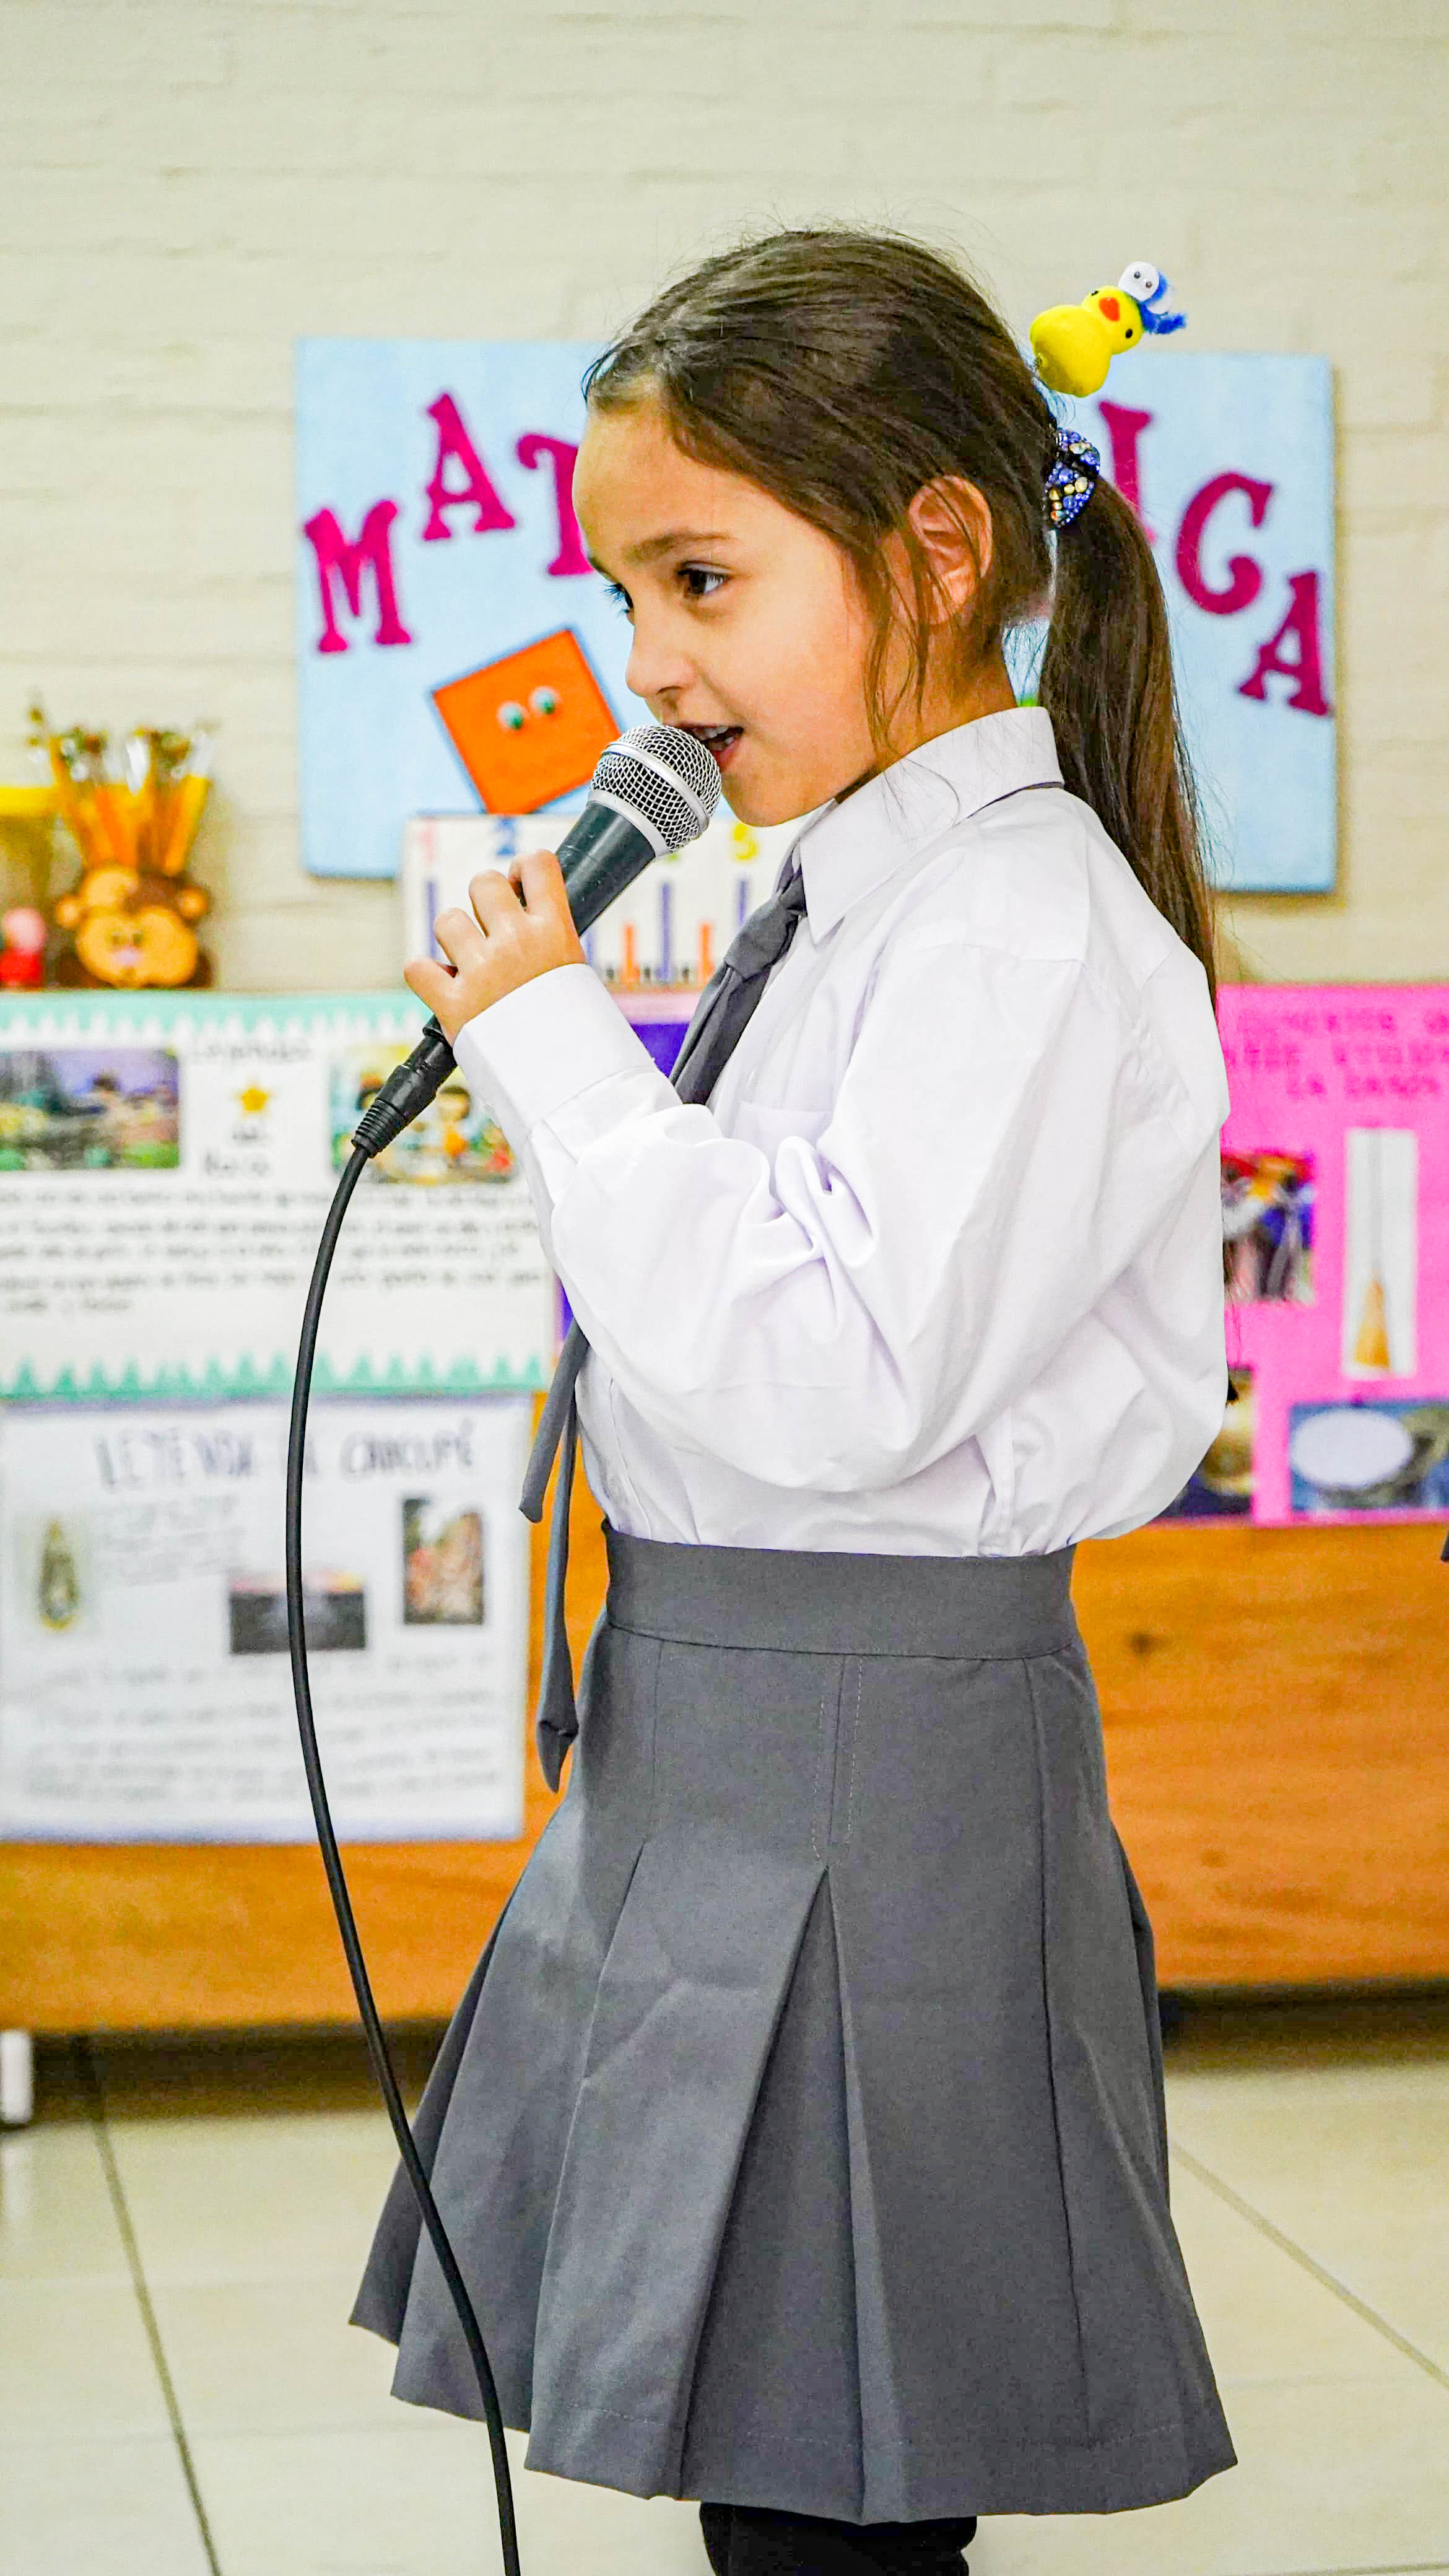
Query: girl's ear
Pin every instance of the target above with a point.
(951, 521)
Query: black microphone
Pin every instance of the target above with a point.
(653, 792)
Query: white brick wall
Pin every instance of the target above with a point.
(187, 184)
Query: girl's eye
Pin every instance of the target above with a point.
(699, 581)
(620, 597)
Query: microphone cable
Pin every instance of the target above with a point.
(364, 1148)
(653, 791)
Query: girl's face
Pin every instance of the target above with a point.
(749, 629)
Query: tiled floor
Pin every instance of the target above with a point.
(179, 2393)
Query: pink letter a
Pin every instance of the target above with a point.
(371, 552)
(477, 488)
(1305, 669)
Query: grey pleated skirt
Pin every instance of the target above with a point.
(801, 2133)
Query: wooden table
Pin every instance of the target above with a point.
(1277, 1708)
(1277, 1714)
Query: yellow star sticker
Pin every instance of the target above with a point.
(253, 1100)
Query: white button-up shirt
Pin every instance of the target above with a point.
(938, 1271)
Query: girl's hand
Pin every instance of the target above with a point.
(520, 927)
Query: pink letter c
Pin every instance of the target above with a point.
(1245, 577)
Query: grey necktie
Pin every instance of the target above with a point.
(726, 1003)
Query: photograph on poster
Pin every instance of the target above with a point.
(453, 1140)
(89, 1109)
(442, 1565)
(1335, 1182)
(53, 1575)
(1221, 1487)
(1381, 1252)
(1370, 1456)
(145, 1690)
(334, 1613)
(1268, 1223)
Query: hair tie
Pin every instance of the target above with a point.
(1072, 477)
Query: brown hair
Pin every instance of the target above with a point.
(843, 371)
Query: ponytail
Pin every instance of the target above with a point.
(1106, 682)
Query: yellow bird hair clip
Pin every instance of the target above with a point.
(1075, 344)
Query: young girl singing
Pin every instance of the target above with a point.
(801, 2134)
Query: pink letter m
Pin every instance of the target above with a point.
(348, 560)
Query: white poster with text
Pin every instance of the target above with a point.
(145, 1685)
(166, 1164)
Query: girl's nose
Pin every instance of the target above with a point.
(657, 668)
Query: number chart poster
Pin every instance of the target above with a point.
(1228, 462)
(456, 652)
(665, 934)
(1335, 1161)
(455, 647)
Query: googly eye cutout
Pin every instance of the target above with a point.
(544, 702)
(511, 716)
(1141, 280)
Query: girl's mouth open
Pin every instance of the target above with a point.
(718, 739)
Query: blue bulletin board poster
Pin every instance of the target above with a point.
(457, 654)
(1228, 461)
(436, 542)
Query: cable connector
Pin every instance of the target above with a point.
(406, 1093)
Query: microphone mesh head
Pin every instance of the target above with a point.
(664, 778)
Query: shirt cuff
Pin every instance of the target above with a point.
(539, 1049)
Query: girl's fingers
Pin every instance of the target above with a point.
(503, 943)
(431, 982)
(459, 936)
(493, 900)
(539, 879)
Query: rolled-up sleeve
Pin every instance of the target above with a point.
(838, 1309)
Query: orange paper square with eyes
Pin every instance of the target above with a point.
(530, 727)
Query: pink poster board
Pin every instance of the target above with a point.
(1336, 1203)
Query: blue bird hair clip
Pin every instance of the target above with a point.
(1074, 344)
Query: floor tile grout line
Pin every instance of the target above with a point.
(1308, 2263)
(96, 2102)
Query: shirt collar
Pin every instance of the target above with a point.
(849, 849)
